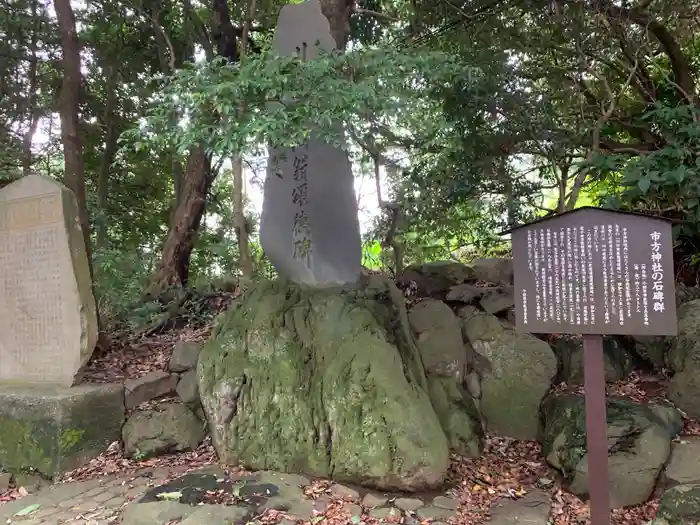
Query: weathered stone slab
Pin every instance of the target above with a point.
(309, 226)
(48, 321)
(153, 385)
(54, 429)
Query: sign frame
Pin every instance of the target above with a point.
(590, 259)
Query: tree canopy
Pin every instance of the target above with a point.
(467, 116)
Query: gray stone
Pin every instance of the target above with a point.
(371, 500)
(48, 330)
(216, 515)
(174, 428)
(439, 337)
(352, 509)
(146, 388)
(30, 482)
(683, 358)
(309, 226)
(435, 513)
(679, 505)
(384, 512)
(498, 300)
(346, 493)
(639, 446)
(684, 465)
(5, 480)
(188, 388)
(516, 371)
(184, 356)
(569, 351)
(493, 270)
(464, 293)
(155, 513)
(444, 502)
(533, 509)
(53, 429)
(408, 504)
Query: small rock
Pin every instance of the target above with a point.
(435, 513)
(343, 492)
(352, 509)
(188, 388)
(384, 512)
(446, 503)
(321, 503)
(545, 483)
(5, 480)
(151, 386)
(533, 509)
(184, 356)
(409, 504)
(464, 293)
(31, 482)
(174, 429)
(498, 300)
(371, 501)
(155, 513)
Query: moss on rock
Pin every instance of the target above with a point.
(680, 505)
(55, 429)
(326, 382)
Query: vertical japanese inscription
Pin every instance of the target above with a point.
(30, 283)
(301, 230)
(604, 273)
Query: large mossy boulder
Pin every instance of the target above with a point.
(323, 382)
(683, 358)
(639, 441)
(515, 371)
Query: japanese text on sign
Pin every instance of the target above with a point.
(606, 273)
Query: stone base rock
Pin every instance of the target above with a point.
(54, 429)
(173, 428)
(516, 371)
(325, 382)
(639, 441)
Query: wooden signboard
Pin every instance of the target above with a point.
(595, 272)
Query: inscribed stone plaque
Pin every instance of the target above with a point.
(595, 271)
(48, 321)
(309, 226)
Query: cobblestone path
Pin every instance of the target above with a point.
(94, 502)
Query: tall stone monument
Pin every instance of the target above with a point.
(309, 226)
(48, 320)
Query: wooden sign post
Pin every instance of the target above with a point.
(595, 272)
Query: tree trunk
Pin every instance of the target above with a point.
(111, 146)
(338, 14)
(244, 258)
(33, 110)
(69, 109)
(173, 270)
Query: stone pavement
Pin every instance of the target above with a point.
(157, 497)
(94, 502)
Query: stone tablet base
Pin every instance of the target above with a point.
(54, 429)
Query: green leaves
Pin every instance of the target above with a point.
(278, 101)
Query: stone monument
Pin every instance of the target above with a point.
(309, 226)
(48, 320)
